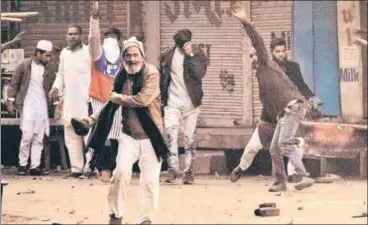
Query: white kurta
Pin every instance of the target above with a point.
(35, 117)
(73, 80)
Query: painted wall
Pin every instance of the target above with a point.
(316, 50)
(350, 61)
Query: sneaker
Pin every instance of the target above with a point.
(188, 178)
(37, 172)
(146, 222)
(114, 220)
(236, 174)
(172, 175)
(278, 187)
(294, 178)
(73, 175)
(22, 170)
(305, 182)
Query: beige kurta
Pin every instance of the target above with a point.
(73, 80)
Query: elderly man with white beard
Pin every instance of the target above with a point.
(106, 62)
(136, 89)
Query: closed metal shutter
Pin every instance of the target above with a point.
(270, 18)
(221, 38)
(55, 16)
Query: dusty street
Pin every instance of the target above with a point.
(213, 200)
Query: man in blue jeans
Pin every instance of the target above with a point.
(281, 99)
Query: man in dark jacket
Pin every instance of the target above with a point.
(280, 99)
(262, 135)
(182, 70)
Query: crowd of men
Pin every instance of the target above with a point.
(118, 109)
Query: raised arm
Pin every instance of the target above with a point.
(197, 65)
(256, 39)
(10, 43)
(94, 37)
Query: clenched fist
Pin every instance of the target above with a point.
(95, 10)
(114, 97)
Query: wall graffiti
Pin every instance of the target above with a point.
(286, 35)
(348, 19)
(349, 75)
(213, 10)
(227, 81)
(69, 11)
(206, 48)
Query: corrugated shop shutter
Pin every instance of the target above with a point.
(270, 17)
(220, 36)
(55, 16)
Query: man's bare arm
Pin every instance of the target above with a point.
(9, 43)
(256, 39)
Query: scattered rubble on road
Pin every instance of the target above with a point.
(26, 192)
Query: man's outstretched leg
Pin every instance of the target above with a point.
(250, 151)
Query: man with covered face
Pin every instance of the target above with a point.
(30, 83)
(136, 90)
(182, 70)
(262, 135)
(106, 62)
(73, 80)
(281, 100)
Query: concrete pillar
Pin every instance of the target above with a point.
(350, 60)
(247, 75)
(151, 29)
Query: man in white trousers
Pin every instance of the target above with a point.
(254, 145)
(30, 83)
(182, 70)
(73, 80)
(136, 90)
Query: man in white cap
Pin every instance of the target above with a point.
(73, 80)
(136, 89)
(30, 83)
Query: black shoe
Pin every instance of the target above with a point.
(114, 220)
(295, 178)
(146, 222)
(188, 178)
(22, 170)
(87, 175)
(305, 182)
(278, 187)
(172, 175)
(37, 172)
(236, 174)
(73, 175)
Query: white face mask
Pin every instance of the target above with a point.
(112, 50)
